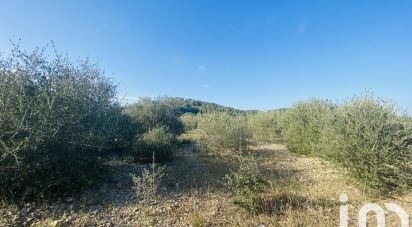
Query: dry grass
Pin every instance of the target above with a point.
(302, 191)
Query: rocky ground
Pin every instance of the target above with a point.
(302, 191)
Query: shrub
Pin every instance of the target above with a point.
(156, 113)
(305, 124)
(371, 140)
(246, 183)
(126, 130)
(366, 135)
(158, 141)
(267, 126)
(190, 121)
(56, 119)
(146, 185)
(220, 132)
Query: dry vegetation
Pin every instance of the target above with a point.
(72, 155)
(302, 191)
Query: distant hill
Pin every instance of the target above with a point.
(183, 106)
(194, 106)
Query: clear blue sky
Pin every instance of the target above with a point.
(244, 54)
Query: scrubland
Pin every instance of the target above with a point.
(71, 154)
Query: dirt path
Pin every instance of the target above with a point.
(302, 191)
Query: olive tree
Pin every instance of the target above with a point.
(267, 126)
(155, 113)
(56, 119)
(305, 123)
(366, 135)
(373, 142)
(222, 132)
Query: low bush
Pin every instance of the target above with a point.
(267, 126)
(190, 121)
(146, 186)
(156, 113)
(366, 135)
(246, 182)
(159, 141)
(306, 122)
(222, 132)
(371, 140)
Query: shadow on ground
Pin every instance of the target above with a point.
(194, 172)
(280, 204)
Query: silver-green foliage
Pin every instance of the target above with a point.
(365, 134)
(157, 141)
(306, 122)
(146, 186)
(56, 119)
(156, 113)
(374, 142)
(267, 126)
(222, 132)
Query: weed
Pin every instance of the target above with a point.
(246, 183)
(146, 185)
